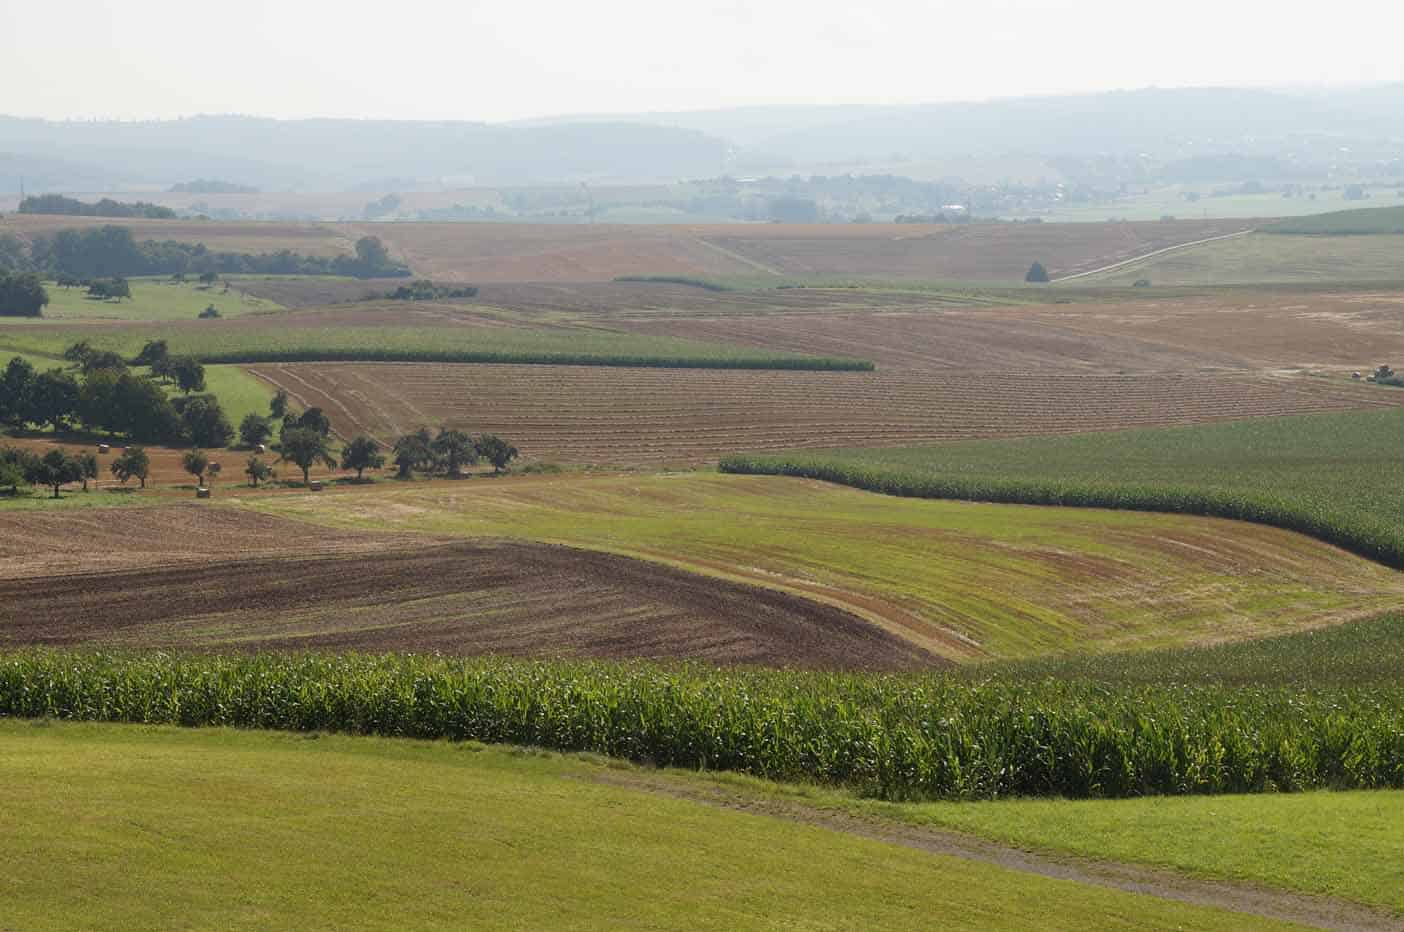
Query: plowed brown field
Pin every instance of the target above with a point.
(295, 587)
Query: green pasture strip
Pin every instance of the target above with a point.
(1269, 259)
(151, 300)
(1369, 221)
(214, 342)
(1358, 653)
(1332, 476)
(113, 826)
(884, 736)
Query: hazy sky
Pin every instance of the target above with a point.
(506, 59)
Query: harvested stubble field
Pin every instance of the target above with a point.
(221, 579)
(629, 416)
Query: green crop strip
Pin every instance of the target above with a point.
(891, 737)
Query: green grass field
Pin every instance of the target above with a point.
(152, 300)
(1170, 201)
(1355, 654)
(130, 827)
(1367, 221)
(1270, 259)
(965, 581)
(239, 393)
(234, 342)
(1331, 475)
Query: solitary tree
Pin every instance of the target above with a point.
(132, 464)
(411, 452)
(196, 463)
(1037, 273)
(278, 407)
(454, 450)
(257, 471)
(209, 277)
(496, 451)
(305, 448)
(54, 469)
(361, 454)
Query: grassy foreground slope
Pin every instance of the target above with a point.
(1333, 476)
(154, 828)
(1344, 844)
(965, 582)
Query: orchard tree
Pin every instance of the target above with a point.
(195, 463)
(15, 385)
(454, 449)
(132, 464)
(189, 375)
(254, 429)
(305, 448)
(52, 399)
(88, 468)
(54, 469)
(257, 471)
(413, 451)
(496, 451)
(361, 454)
(278, 407)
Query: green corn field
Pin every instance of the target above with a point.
(891, 737)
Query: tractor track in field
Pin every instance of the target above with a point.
(1320, 912)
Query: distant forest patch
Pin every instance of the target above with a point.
(72, 207)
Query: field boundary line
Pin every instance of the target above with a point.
(737, 257)
(1151, 255)
(1322, 912)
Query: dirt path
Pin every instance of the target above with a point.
(1315, 911)
(1150, 255)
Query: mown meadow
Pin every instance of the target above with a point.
(1332, 476)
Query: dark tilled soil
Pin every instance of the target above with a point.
(461, 598)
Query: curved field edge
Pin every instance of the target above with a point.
(894, 737)
(964, 583)
(443, 835)
(1328, 476)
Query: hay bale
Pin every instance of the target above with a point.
(262, 448)
(202, 493)
(315, 485)
(104, 448)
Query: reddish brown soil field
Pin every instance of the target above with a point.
(461, 598)
(581, 414)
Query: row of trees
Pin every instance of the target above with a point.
(107, 207)
(112, 251)
(58, 468)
